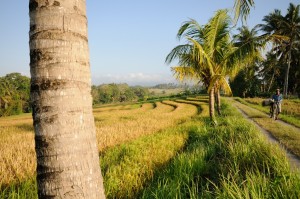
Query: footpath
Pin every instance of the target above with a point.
(255, 116)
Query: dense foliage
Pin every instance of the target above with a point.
(111, 93)
(281, 67)
(14, 94)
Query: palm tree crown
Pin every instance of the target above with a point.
(209, 55)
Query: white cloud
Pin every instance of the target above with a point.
(144, 79)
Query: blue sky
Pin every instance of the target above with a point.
(128, 40)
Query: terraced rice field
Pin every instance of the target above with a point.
(114, 125)
(166, 149)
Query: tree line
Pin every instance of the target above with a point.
(14, 94)
(112, 93)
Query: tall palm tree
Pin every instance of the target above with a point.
(208, 55)
(249, 45)
(270, 69)
(290, 27)
(284, 32)
(65, 139)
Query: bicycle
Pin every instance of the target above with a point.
(274, 110)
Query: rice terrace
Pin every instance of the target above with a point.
(223, 122)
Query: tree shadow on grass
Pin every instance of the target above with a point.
(210, 156)
(191, 166)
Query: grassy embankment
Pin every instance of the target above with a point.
(290, 109)
(195, 160)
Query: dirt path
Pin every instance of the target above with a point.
(294, 160)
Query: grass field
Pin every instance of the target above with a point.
(163, 150)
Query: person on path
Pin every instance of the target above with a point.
(277, 99)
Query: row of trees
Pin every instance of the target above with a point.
(281, 66)
(14, 94)
(211, 55)
(110, 93)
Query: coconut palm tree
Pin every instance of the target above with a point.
(284, 32)
(65, 139)
(250, 45)
(270, 70)
(210, 55)
(290, 27)
(207, 56)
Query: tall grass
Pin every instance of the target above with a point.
(26, 189)
(129, 167)
(228, 161)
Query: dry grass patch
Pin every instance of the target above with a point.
(16, 152)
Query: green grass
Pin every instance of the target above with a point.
(229, 161)
(127, 168)
(23, 190)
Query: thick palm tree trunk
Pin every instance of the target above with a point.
(212, 104)
(218, 101)
(65, 138)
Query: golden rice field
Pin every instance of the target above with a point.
(114, 125)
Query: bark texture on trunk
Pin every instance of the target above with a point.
(218, 101)
(65, 137)
(212, 104)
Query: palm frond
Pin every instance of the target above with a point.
(201, 56)
(217, 31)
(177, 52)
(242, 9)
(184, 73)
(191, 29)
